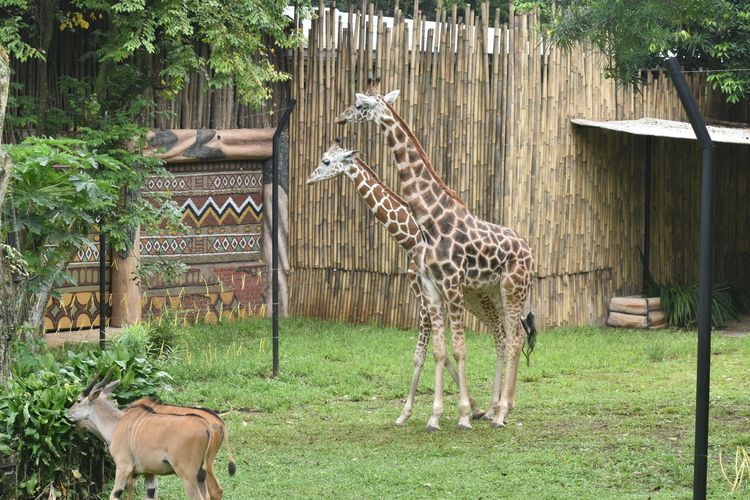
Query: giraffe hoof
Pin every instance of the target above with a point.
(480, 415)
(400, 422)
(498, 425)
(464, 427)
(432, 428)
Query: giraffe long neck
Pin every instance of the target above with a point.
(389, 209)
(433, 204)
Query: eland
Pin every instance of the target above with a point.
(142, 441)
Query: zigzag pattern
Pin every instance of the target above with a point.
(221, 212)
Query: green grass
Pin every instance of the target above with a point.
(601, 413)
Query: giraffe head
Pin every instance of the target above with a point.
(335, 162)
(369, 105)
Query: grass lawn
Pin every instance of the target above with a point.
(601, 413)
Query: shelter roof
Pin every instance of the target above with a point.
(667, 128)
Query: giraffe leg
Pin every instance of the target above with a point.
(425, 326)
(438, 350)
(419, 358)
(458, 343)
(513, 344)
(507, 397)
(476, 412)
(498, 380)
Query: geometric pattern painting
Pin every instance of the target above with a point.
(222, 205)
(75, 304)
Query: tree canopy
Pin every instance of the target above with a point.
(711, 35)
(136, 46)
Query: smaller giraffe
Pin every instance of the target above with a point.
(395, 215)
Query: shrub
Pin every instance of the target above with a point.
(163, 331)
(47, 450)
(136, 339)
(680, 304)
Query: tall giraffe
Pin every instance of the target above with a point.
(459, 252)
(395, 215)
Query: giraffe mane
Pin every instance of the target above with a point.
(423, 155)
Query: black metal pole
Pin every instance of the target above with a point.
(647, 213)
(705, 280)
(102, 279)
(275, 233)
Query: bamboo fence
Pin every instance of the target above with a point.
(492, 105)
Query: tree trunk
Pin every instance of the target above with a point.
(33, 327)
(9, 295)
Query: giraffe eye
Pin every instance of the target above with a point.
(358, 106)
(326, 162)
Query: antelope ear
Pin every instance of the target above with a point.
(110, 387)
(391, 97)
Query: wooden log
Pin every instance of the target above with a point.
(629, 305)
(627, 320)
(654, 303)
(657, 319)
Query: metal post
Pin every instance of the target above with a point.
(275, 233)
(705, 281)
(102, 304)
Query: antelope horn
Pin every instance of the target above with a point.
(105, 381)
(86, 390)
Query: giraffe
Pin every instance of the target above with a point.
(395, 215)
(459, 253)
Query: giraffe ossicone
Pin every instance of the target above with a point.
(464, 260)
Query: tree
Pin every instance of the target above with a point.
(12, 267)
(705, 34)
(145, 51)
(63, 188)
(140, 54)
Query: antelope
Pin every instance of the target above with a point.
(144, 442)
(215, 491)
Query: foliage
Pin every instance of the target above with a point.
(705, 34)
(163, 330)
(166, 270)
(680, 304)
(157, 338)
(33, 427)
(63, 188)
(135, 338)
(147, 48)
(59, 188)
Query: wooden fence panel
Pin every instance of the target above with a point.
(496, 124)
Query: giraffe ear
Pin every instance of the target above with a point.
(391, 97)
(349, 155)
(366, 100)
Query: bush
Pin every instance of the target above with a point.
(163, 331)
(47, 450)
(136, 339)
(680, 304)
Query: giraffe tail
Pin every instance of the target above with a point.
(530, 327)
